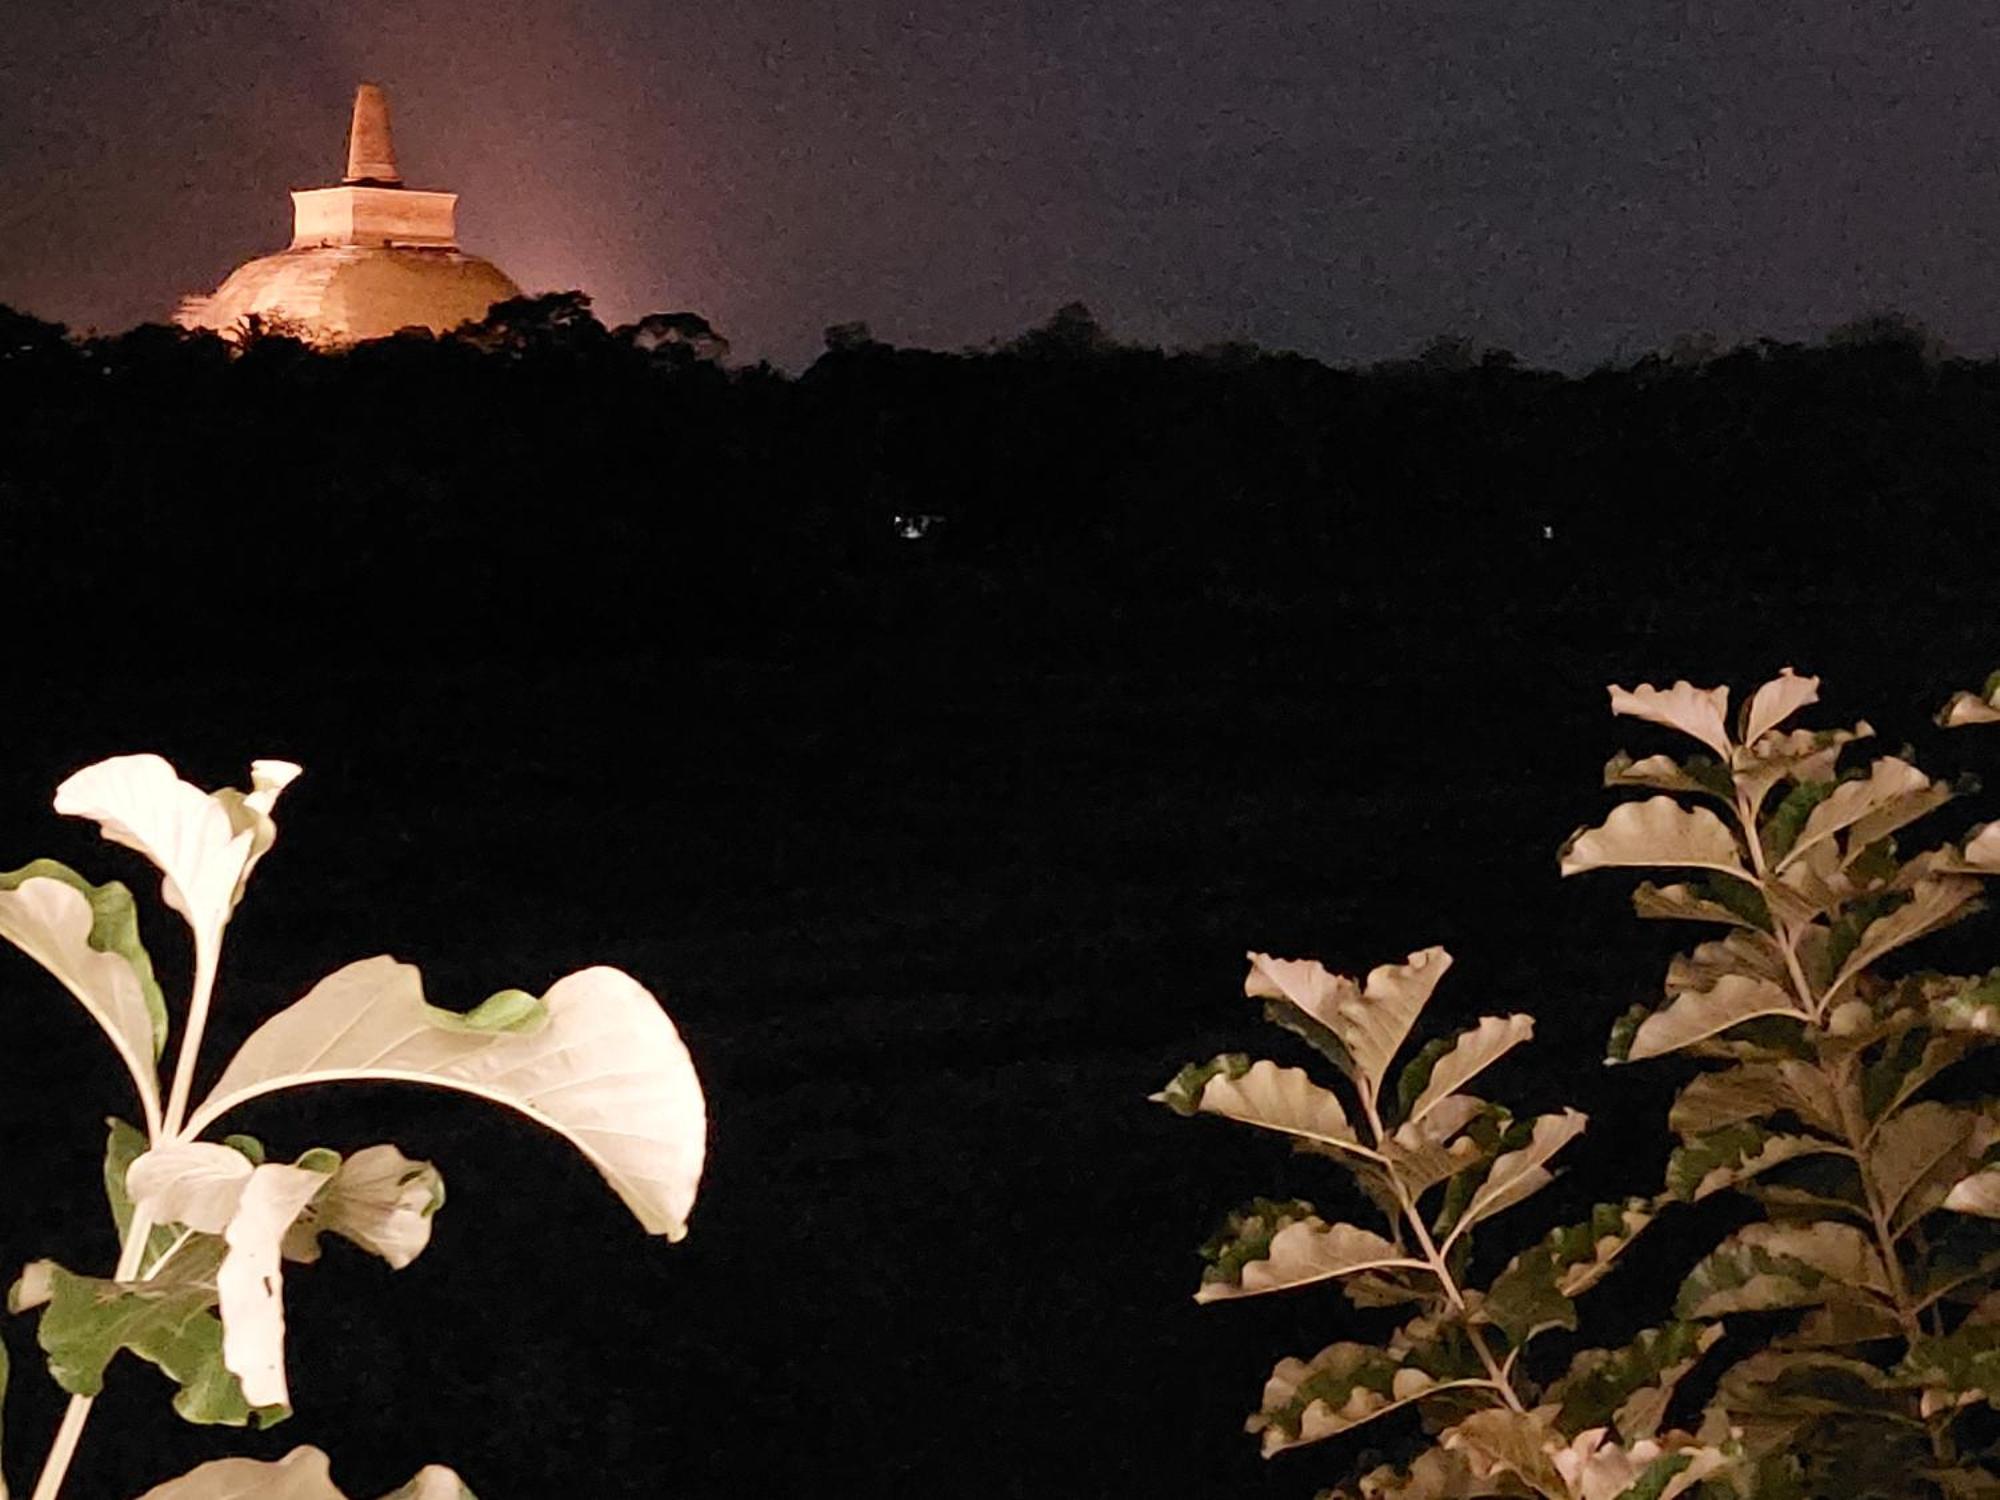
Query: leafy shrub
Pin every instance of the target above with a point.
(1839, 1107)
(205, 1226)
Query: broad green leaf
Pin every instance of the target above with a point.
(204, 844)
(216, 1190)
(1700, 713)
(1734, 1154)
(1787, 821)
(1306, 1251)
(169, 1322)
(1474, 1052)
(1534, 1292)
(596, 1060)
(302, 1474)
(1520, 1174)
(1683, 903)
(1775, 702)
(1935, 902)
(1631, 1385)
(87, 937)
(1340, 1388)
(1893, 793)
(1264, 1095)
(1764, 1266)
(1658, 831)
(380, 1200)
(1697, 1015)
(1752, 1091)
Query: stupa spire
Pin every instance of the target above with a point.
(371, 153)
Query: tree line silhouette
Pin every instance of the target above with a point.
(542, 478)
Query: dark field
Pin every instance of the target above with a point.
(937, 898)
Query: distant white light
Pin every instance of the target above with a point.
(914, 528)
(1548, 533)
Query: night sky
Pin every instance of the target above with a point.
(1571, 180)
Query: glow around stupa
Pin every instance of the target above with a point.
(368, 258)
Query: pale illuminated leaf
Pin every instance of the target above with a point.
(1658, 831)
(1307, 1251)
(1681, 903)
(1308, 1400)
(203, 844)
(302, 1474)
(380, 1200)
(1474, 1052)
(250, 1283)
(1264, 1095)
(1977, 1194)
(1935, 902)
(87, 937)
(1775, 702)
(1697, 1015)
(1893, 793)
(1517, 1175)
(1698, 712)
(1913, 1143)
(596, 1060)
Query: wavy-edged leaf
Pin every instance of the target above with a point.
(1473, 1053)
(596, 1060)
(1935, 902)
(378, 1199)
(1630, 1386)
(1517, 1175)
(1764, 1266)
(1340, 1388)
(1734, 1154)
(1657, 831)
(1798, 754)
(1700, 713)
(1455, 1135)
(1303, 1252)
(1519, 1445)
(1535, 1291)
(302, 1474)
(1264, 1095)
(1698, 1015)
(170, 1323)
(1597, 1468)
(1775, 702)
(1303, 983)
(1893, 793)
(87, 937)
(1435, 1474)
(204, 844)
(1375, 1023)
(1752, 1091)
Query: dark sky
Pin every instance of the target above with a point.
(1571, 179)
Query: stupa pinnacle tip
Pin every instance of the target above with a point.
(371, 153)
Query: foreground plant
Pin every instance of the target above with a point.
(1436, 1163)
(204, 1225)
(1839, 1104)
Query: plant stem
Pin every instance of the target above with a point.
(205, 958)
(56, 1466)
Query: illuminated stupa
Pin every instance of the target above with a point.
(367, 258)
